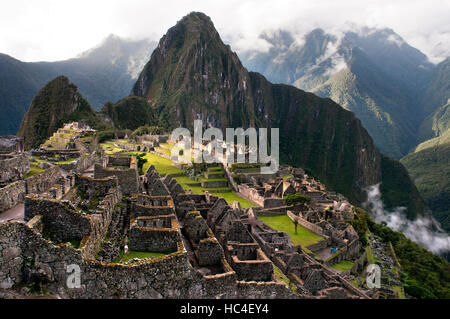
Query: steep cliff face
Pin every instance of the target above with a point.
(193, 75)
(59, 100)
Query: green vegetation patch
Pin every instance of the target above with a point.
(293, 199)
(34, 170)
(423, 274)
(230, 197)
(162, 165)
(304, 237)
(343, 265)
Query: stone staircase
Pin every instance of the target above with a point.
(214, 180)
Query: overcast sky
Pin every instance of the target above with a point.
(49, 30)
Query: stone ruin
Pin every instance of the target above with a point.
(210, 249)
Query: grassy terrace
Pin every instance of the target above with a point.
(65, 162)
(33, 171)
(304, 237)
(110, 148)
(162, 165)
(229, 196)
(343, 265)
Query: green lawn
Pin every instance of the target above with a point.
(163, 165)
(65, 162)
(204, 179)
(185, 180)
(165, 150)
(230, 197)
(304, 237)
(343, 265)
(110, 148)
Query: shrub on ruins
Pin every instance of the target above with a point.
(293, 199)
(105, 135)
(143, 130)
(141, 160)
(359, 223)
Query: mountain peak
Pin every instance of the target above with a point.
(57, 100)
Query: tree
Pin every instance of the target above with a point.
(296, 224)
(293, 199)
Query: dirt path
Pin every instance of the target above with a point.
(16, 213)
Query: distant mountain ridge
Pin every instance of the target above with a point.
(104, 73)
(371, 72)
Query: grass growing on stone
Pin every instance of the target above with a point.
(370, 256)
(343, 265)
(110, 148)
(184, 181)
(34, 170)
(141, 255)
(165, 150)
(65, 162)
(204, 179)
(230, 197)
(304, 237)
(399, 291)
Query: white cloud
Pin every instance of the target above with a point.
(59, 29)
(424, 230)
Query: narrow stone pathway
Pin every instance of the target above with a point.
(324, 254)
(15, 213)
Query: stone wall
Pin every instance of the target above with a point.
(272, 202)
(119, 160)
(251, 194)
(144, 205)
(66, 154)
(98, 187)
(25, 256)
(210, 252)
(12, 195)
(61, 222)
(13, 167)
(154, 234)
(42, 182)
(266, 290)
(348, 252)
(84, 162)
(249, 262)
(128, 178)
(100, 222)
